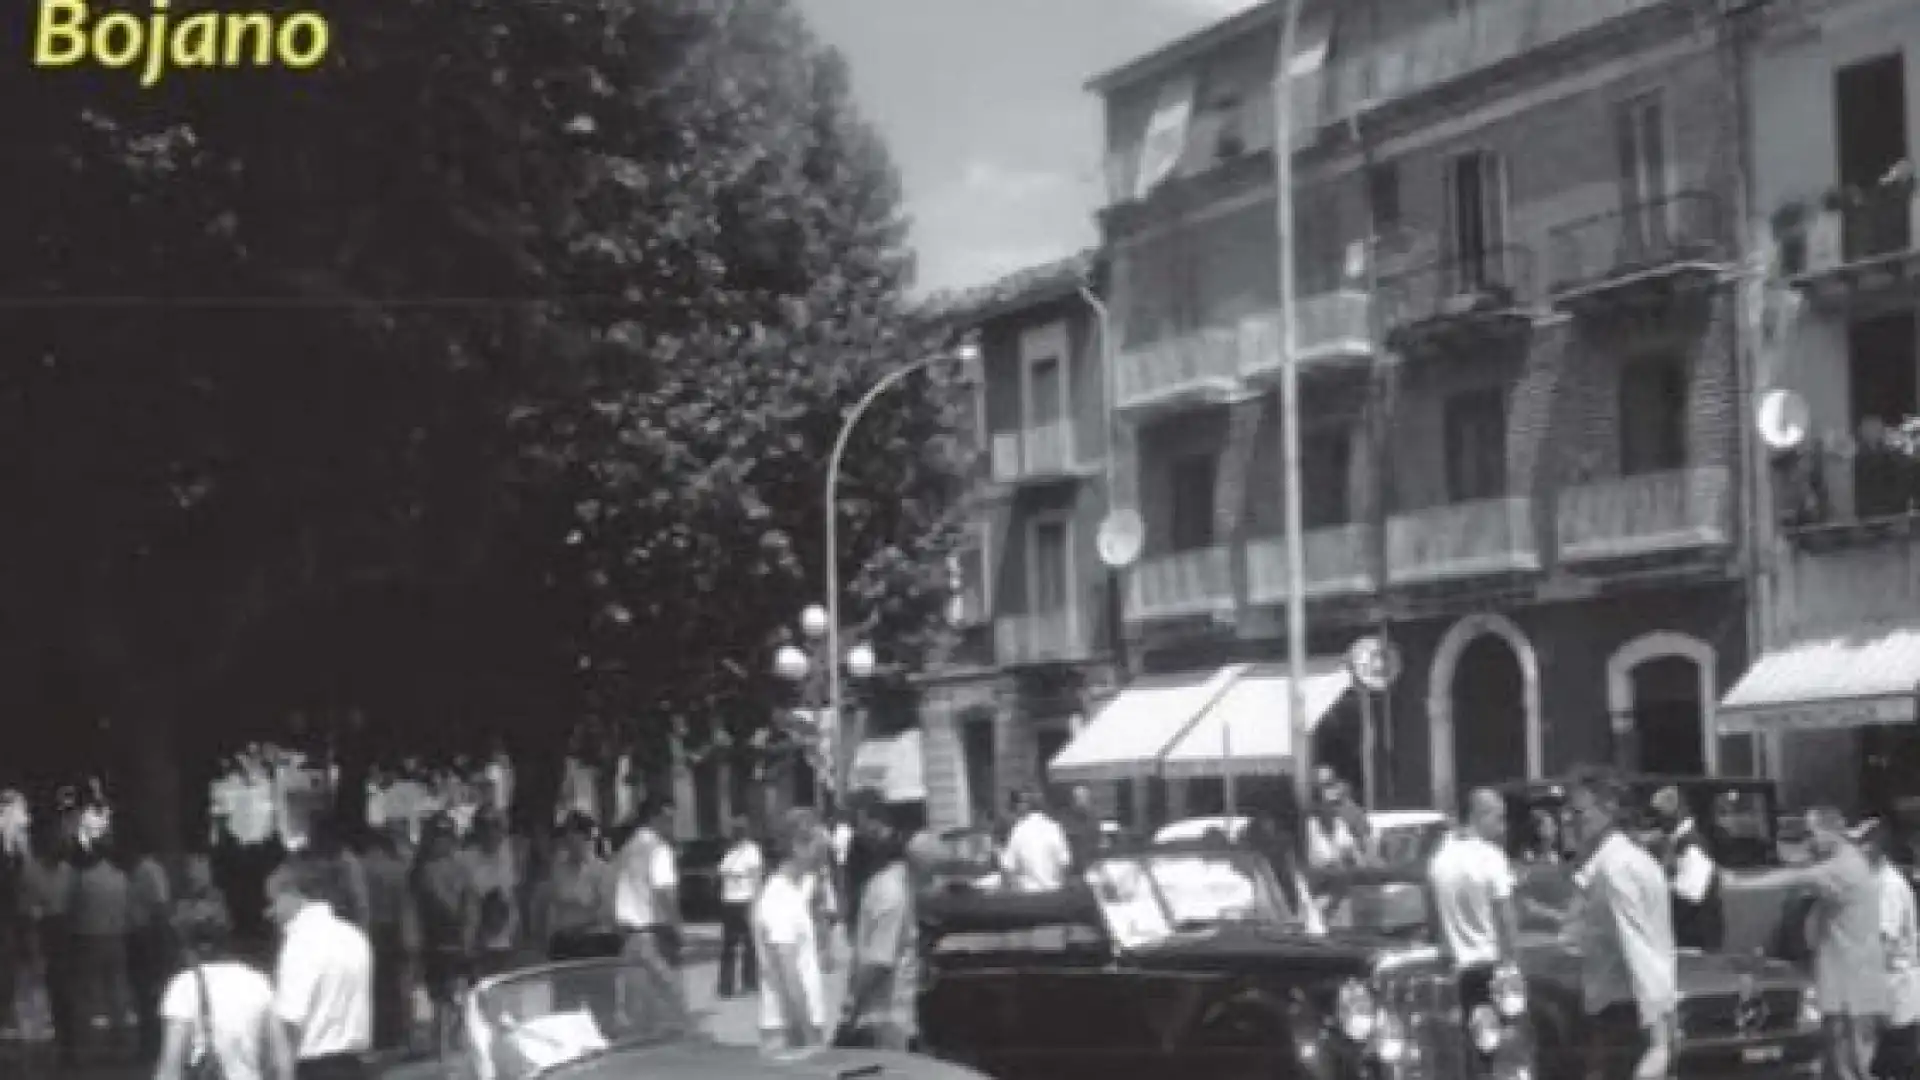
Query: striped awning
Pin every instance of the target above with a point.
(1249, 731)
(1130, 733)
(1868, 676)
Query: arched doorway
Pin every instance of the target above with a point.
(1489, 714)
(1669, 717)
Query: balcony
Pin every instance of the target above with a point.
(1864, 250)
(1046, 638)
(1482, 538)
(1650, 514)
(1199, 368)
(1339, 562)
(1458, 302)
(1038, 454)
(1188, 583)
(1332, 328)
(1640, 255)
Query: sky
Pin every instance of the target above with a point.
(981, 103)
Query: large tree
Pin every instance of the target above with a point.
(502, 352)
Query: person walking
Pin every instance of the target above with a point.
(573, 910)
(793, 1000)
(1037, 855)
(1472, 884)
(218, 1006)
(149, 946)
(323, 979)
(1698, 922)
(1898, 1056)
(393, 928)
(1849, 957)
(1629, 971)
(883, 977)
(646, 903)
(741, 871)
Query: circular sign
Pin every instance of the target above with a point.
(1782, 418)
(1374, 663)
(1121, 536)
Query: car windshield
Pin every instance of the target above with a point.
(529, 1022)
(1397, 904)
(1151, 896)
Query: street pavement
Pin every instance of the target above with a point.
(734, 1021)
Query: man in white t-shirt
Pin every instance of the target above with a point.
(1473, 888)
(323, 983)
(793, 1000)
(646, 904)
(1038, 855)
(235, 1022)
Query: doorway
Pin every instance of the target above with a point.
(1870, 106)
(1489, 715)
(1668, 717)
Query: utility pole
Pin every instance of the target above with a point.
(1302, 733)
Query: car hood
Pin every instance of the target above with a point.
(1701, 974)
(699, 1058)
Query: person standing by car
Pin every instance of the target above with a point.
(1849, 959)
(573, 909)
(740, 872)
(882, 979)
(1697, 919)
(323, 981)
(218, 1005)
(1899, 1052)
(1332, 843)
(646, 902)
(793, 1001)
(1629, 972)
(496, 881)
(1038, 855)
(1472, 885)
(449, 917)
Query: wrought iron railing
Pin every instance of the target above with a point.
(1637, 237)
(1496, 278)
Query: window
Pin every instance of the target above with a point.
(1050, 571)
(1476, 445)
(1477, 220)
(969, 577)
(1871, 128)
(1653, 415)
(1884, 354)
(1192, 481)
(1326, 459)
(1383, 191)
(1047, 380)
(1640, 133)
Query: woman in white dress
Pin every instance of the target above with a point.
(793, 1001)
(218, 1005)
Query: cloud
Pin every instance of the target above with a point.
(991, 218)
(987, 179)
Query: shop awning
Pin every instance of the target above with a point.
(1868, 676)
(891, 766)
(1249, 731)
(1127, 737)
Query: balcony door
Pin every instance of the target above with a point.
(1476, 445)
(1884, 368)
(1870, 121)
(1640, 131)
(1191, 524)
(1050, 568)
(1043, 392)
(1476, 221)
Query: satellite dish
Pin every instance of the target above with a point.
(1782, 419)
(1120, 538)
(1373, 663)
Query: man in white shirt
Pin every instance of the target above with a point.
(740, 872)
(323, 983)
(1472, 886)
(1037, 855)
(646, 904)
(1899, 1051)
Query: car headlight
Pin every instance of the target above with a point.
(1485, 1029)
(1390, 1038)
(1507, 990)
(1356, 1012)
(1809, 1008)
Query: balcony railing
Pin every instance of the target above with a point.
(1645, 515)
(1638, 241)
(1040, 452)
(1200, 366)
(1331, 328)
(1469, 539)
(1339, 561)
(1046, 637)
(1186, 583)
(1879, 222)
(1490, 291)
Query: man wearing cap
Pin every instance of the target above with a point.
(1849, 959)
(1899, 1054)
(1697, 919)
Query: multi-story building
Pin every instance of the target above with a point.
(1033, 598)
(1520, 414)
(1833, 108)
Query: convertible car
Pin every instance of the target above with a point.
(1190, 961)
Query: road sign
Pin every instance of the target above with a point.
(1120, 538)
(1374, 663)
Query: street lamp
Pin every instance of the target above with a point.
(967, 352)
(804, 667)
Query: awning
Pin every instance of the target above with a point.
(1249, 730)
(1869, 676)
(1129, 734)
(891, 766)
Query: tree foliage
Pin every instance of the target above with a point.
(487, 373)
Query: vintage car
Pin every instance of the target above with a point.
(599, 1020)
(1188, 960)
(1399, 836)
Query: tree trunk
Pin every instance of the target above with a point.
(149, 780)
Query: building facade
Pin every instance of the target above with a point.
(1032, 655)
(1521, 408)
(1832, 111)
